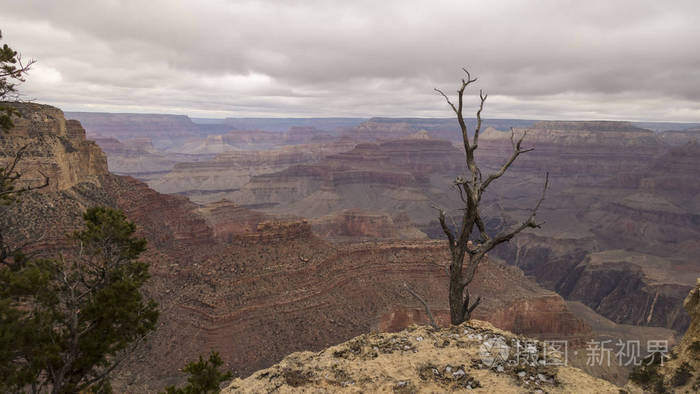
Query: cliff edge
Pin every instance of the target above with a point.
(474, 356)
(681, 374)
(53, 146)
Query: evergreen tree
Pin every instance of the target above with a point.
(205, 377)
(65, 323)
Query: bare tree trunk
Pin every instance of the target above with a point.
(456, 300)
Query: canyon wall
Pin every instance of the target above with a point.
(621, 208)
(392, 177)
(211, 180)
(254, 289)
(621, 217)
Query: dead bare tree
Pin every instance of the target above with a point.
(471, 189)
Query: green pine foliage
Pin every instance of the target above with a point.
(25, 337)
(66, 323)
(205, 377)
(12, 73)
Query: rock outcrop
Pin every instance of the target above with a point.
(137, 157)
(382, 129)
(471, 357)
(54, 147)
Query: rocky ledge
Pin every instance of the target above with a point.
(473, 356)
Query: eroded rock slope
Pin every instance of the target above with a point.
(254, 293)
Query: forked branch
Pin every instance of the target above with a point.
(445, 228)
(517, 151)
(530, 222)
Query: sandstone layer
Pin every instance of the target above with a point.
(381, 129)
(353, 224)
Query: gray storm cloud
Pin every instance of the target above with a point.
(537, 59)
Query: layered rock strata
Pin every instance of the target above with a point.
(212, 180)
(253, 298)
(166, 131)
(52, 146)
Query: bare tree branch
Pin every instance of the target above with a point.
(528, 223)
(445, 227)
(466, 308)
(9, 174)
(517, 150)
(459, 182)
(474, 305)
(482, 229)
(483, 97)
(425, 304)
(447, 99)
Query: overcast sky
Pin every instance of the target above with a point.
(559, 59)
